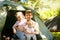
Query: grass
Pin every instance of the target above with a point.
(56, 35)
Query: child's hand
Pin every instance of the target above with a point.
(14, 31)
(33, 32)
(28, 32)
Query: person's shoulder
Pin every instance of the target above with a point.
(24, 20)
(26, 26)
(16, 22)
(33, 21)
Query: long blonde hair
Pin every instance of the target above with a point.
(21, 15)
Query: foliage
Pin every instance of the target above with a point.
(47, 9)
(56, 35)
(47, 14)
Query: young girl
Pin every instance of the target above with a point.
(30, 31)
(18, 27)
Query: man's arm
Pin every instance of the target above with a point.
(36, 27)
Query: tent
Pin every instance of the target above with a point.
(7, 18)
(53, 24)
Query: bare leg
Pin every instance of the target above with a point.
(8, 38)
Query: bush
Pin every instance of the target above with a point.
(56, 35)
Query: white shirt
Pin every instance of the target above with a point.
(29, 29)
(36, 26)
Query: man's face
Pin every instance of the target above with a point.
(28, 16)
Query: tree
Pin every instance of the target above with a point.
(45, 8)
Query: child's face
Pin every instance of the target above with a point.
(30, 25)
(18, 18)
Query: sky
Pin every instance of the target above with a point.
(23, 0)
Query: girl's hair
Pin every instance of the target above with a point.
(20, 14)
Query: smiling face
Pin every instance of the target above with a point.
(30, 24)
(19, 16)
(28, 15)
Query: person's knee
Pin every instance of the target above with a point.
(7, 38)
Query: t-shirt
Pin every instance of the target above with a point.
(20, 23)
(29, 29)
(36, 27)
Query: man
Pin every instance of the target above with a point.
(28, 16)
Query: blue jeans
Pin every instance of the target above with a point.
(20, 35)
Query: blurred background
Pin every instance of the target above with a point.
(48, 10)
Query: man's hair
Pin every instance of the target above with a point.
(28, 11)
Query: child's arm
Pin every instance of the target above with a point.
(26, 31)
(23, 22)
(14, 28)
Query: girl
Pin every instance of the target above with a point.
(18, 27)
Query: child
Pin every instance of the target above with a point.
(18, 27)
(30, 31)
